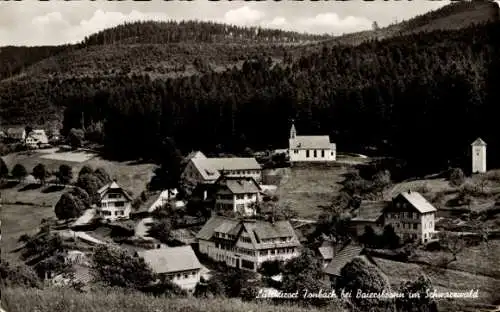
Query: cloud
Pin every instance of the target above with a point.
(332, 23)
(52, 28)
(243, 16)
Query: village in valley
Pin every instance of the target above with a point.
(259, 219)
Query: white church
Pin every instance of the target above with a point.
(310, 148)
(478, 156)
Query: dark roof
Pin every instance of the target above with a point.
(113, 186)
(344, 256)
(370, 211)
(258, 230)
(240, 185)
(418, 201)
(478, 142)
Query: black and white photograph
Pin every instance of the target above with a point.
(250, 156)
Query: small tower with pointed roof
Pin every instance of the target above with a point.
(478, 156)
(293, 132)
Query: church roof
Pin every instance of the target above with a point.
(311, 142)
(478, 142)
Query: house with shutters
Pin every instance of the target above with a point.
(310, 148)
(115, 203)
(412, 217)
(237, 194)
(36, 138)
(246, 243)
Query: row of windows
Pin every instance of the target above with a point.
(110, 213)
(404, 215)
(113, 204)
(408, 226)
(279, 251)
(182, 275)
(114, 195)
(232, 261)
(243, 172)
(314, 152)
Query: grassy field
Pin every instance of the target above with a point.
(305, 190)
(130, 175)
(18, 220)
(52, 300)
(446, 280)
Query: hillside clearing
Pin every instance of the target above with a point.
(130, 175)
(306, 190)
(18, 220)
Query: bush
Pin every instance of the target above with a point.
(456, 177)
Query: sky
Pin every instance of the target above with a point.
(31, 22)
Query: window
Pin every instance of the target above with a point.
(315, 153)
(240, 196)
(295, 151)
(415, 226)
(307, 153)
(332, 154)
(186, 275)
(119, 204)
(323, 153)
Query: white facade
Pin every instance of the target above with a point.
(479, 156)
(310, 148)
(246, 244)
(115, 204)
(409, 222)
(237, 256)
(186, 280)
(238, 203)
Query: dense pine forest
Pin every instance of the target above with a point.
(423, 97)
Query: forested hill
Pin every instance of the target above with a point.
(423, 97)
(173, 49)
(193, 31)
(453, 16)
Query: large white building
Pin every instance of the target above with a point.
(478, 156)
(36, 138)
(115, 203)
(237, 194)
(310, 148)
(246, 244)
(411, 216)
(204, 170)
(177, 264)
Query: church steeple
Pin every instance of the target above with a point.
(293, 132)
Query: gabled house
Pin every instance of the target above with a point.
(201, 170)
(246, 244)
(310, 148)
(177, 264)
(412, 217)
(115, 202)
(237, 194)
(36, 138)
(369, 213)
(16, 134)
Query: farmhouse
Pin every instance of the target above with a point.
(35, 138)
(310, 148)
(16, 134)
(478, 156)
(237, 194)
(246, 244)
(411, 216)
(177, 264)
(369, 213)
(208, 170)
(115, 202)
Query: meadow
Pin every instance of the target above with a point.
(67, 300)
(306, 190)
